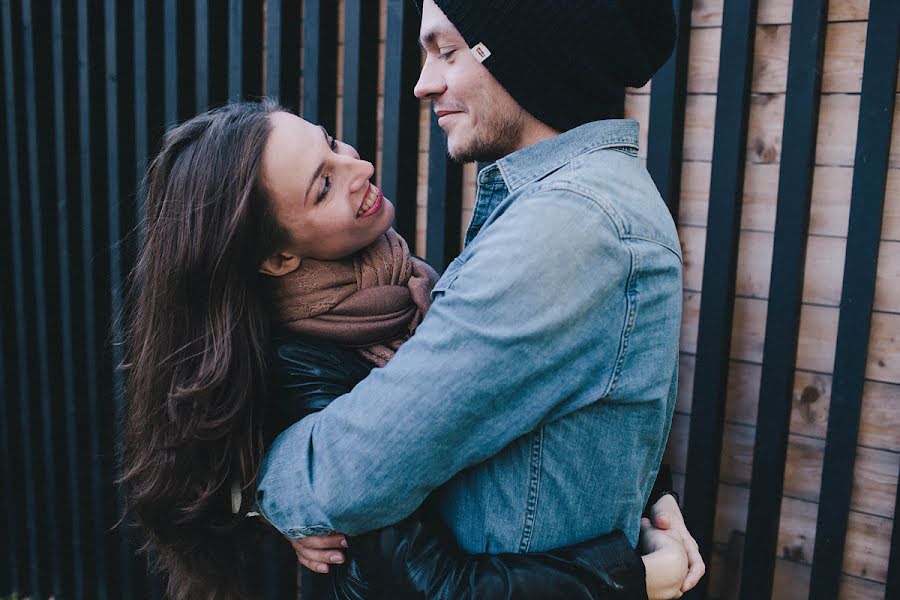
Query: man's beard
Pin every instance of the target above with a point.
(494, 139)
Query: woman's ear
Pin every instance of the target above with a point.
(280, 264)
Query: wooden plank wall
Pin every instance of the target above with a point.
(865, 564)
(875, 477)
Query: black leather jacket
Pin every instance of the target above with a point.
(418, 558)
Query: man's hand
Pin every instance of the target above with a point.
(666, 515)
(665, 561)
(317, 552)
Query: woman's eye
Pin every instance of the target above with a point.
(447, 54)
(326, 187)
(333, 144)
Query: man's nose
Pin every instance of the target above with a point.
(431, 83)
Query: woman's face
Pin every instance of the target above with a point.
(320, 192)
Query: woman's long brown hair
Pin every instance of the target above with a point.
(196, 344)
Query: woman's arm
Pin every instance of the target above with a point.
(417, 559)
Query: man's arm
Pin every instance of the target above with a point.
(503, 348)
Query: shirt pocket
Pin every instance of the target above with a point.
(447, 279)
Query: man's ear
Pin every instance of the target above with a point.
(280, 264)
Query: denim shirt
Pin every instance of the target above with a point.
(536, 397)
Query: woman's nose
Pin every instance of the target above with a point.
(348, 149)
(363, 171)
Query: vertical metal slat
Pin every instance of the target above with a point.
(201, 54)
(717, 304)
(283, 52)
(91, 364)
(114, 199)
(400, 146)
(320, 62)
(235, 49)
(16, 227)
(141, 108)
(444, 201)
(47, 507)
(668, 95)
(360, 77)
(75, 555)
(9, 583)
(801, 118)
(273, 49)
(876, 110)
(170, 59)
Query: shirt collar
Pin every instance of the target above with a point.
(537, 160)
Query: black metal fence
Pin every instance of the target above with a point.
(89, 87)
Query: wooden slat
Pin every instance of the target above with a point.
(785, 296)
(822, 273)
(401, 114)
(810, 404)
(708, 13)
(893, 579)
(841, 73)
(868, 536)
(791, 580)
(830, 200)
(836, 133)
(714, 333)
(666, 127)
(873, 478)
(869, 180)
(320, 62)
(816, 342)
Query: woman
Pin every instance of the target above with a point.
(227, 223)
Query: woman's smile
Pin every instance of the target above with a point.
(371, 203)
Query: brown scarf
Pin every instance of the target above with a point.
(372, 300)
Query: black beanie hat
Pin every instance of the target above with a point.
(567, 62)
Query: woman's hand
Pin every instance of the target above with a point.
(317, 552)
(665, 561)
(666, 515)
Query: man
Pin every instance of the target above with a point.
(536, 397)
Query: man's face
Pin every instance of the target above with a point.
(480, 118)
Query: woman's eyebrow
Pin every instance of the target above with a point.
(319, 169)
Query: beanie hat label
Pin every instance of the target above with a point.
(481, 52)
